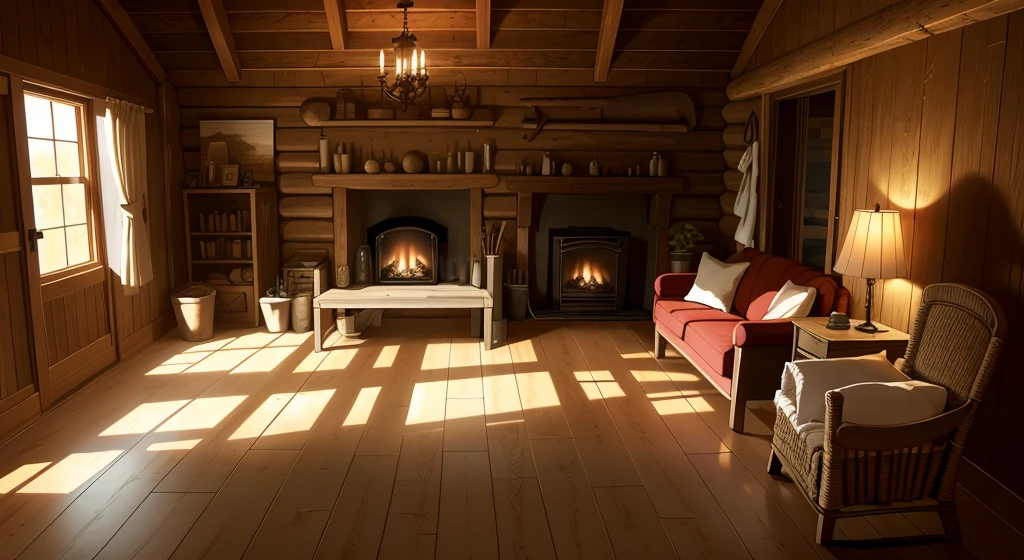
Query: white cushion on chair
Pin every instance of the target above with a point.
(716, 283)
(805, 382)
(790, 302)
(885, 404)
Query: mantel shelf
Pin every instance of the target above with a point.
(594, 185)
(407, 181)
(482, 118)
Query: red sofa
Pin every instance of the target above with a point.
(739, 353)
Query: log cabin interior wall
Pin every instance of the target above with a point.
(74, 46)
(535, 49)
(935, 129)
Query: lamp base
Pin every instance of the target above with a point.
(869, 327)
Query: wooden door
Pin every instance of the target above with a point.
(19, 398)
(67, 274)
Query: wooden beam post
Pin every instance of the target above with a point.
(123, 22)
(223, 41)
(610, 16)
(892, 27)
(483, 24)
(335, 10)
(764, 17)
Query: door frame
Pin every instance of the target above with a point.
(837, 82)
(102, 352)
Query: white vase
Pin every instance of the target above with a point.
(276, 313)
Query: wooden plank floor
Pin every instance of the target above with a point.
(415, 442)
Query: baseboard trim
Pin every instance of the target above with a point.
(990, 492)
(135, 342)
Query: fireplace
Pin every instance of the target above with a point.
(408, 250)
(588, 269)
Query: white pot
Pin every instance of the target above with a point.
(276, 313)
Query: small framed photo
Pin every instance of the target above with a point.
(229, 175)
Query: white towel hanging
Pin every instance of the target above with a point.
(746, 199)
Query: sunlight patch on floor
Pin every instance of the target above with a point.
(427, 403)
(310, 363)
(18, 476)
(387, 356)
(436, 355)
(598, 390)
(202, 413)
(523, 352)
(259, 339)
(362, 407)
(262, 416)
(212, 345)
(602, 375)
(536, 390)
(700, 405)
(291, 339)
(669, 407)
(501, 394)
(264, 360)
(71, 472)
(178, 363)
(463, 408)
(301, 412)
(180, 445)
(338, 359)
(221, 361)
(635, 355)
(144, 418)
(583, 376)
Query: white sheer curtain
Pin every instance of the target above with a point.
(126, 143)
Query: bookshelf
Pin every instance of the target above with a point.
(230, 231)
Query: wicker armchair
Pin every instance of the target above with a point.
(852, 470)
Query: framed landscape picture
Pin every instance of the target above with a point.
(250, 146)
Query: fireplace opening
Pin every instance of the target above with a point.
(408, 250)
(588, 268)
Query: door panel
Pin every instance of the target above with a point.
(16, 380)
(70, 309)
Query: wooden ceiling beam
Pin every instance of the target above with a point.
(761, 21)
(335, 10)
(611, 13)
(483, 24)
(895, 26)
(220, 34)
(123, 22)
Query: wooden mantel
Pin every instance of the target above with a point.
(594, 185)
(407, 181)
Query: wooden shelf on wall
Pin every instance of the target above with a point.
(610, 126)
(481, 118)
(594, 185)
(407, 181)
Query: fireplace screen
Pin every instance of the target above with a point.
(589, 269)
(407, 250)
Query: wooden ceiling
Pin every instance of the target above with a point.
(667, 42)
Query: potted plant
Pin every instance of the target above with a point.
(682, 236)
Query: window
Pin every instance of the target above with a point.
(61, 191)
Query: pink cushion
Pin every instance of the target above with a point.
(768, 273)
(677, 314)
(758, 307)
(712, 340)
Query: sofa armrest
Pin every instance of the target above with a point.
(774, 332)
(674, 284)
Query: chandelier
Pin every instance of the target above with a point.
(410, 80)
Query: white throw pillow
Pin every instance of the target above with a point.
(716, 283)
(885, 404)
(807, 381)
(791, 301)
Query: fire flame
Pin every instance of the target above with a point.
(589, 273)
(407, 258)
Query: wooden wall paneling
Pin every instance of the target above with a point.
(134, 40)
(71, 24)
(335, 15)
(764, 18)
(476, 215)
(903, 172)
(221, 36)
(1003, 277)
(483, 24)
(977, 119)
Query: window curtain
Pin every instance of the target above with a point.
(126, 143)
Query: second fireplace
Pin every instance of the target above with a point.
(588, 269)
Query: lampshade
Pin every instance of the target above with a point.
(874, 246)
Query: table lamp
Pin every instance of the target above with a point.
(873, 249)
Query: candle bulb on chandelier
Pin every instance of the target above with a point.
(381, 62)
(414, 61)
(423, 62)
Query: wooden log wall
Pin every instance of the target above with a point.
(735, 115)
(935, 129)
(307, 219)
(65, 43)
